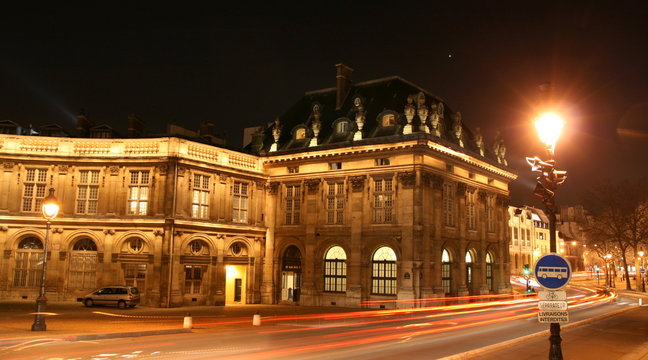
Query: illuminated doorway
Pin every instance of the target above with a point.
(235, 284)
(291, 275)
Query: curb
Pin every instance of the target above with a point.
(499, 346)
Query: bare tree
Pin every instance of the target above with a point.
(620, 216)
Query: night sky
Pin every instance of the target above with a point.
(242, 67)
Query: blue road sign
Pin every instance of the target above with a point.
(552, 271)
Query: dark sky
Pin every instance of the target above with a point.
(243, 66)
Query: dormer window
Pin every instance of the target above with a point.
(389, 120)
(342, 127)
(300, 134)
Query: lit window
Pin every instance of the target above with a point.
(87, 192)
(293, 204)
(489, 271)
(34, 189)
(200, 199)
(335, 203)
(383, 201)
(135, 275)
(383, 276)
(446, 272)
(138, 192)
(335, 166)
(240, 202)
(335, 270)
(300, 134)
(389, 120)
(469, 269)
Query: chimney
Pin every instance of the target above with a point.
(83, 125)
(343, 79)
(135, 126)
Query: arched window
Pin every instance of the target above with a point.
(446, 272)
(29, 256)
(489, 271)
(389, 120)
(335, 270)
(383, 277)
(82, 272)
(469, 269)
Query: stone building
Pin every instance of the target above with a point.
(370, 194)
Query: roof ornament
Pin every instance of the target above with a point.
(422, 112)
(499, 149)
(359, 117)
(479, 141)
(435, 120)
(316, 124)
(409, 111)
(276, 132)
(457, 128)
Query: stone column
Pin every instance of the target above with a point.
(269, 263)
(358, 185)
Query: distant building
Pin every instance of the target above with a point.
(360, 195)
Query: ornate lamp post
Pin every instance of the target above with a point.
(50, 210)
(549, 127)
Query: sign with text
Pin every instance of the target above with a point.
(552, 305)
(552, 295)
(552, 271)
(553, 316)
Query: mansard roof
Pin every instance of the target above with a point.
(375, 99)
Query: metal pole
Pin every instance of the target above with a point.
(555, 351)
(41, 301)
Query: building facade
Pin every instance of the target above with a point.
(372, 194)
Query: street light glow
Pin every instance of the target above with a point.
(549, 126)
(50, 206)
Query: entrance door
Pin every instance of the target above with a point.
(235, 283)
(291, 274)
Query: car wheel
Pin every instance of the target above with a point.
(89, 303)
(121, 304)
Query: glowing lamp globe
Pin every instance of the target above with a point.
(50, 206)
(549, 126)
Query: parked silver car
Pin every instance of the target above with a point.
(122, 296)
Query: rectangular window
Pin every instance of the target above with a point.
(200, 199)
(293, 169)
(448, 204)
(470, 210)
(383, 277)
(515, 236)
(446, 277)
(335, 166)
(490, 208)
(135, 275)
(29, 268)
(138, 192)
(293, 204)
(83, 270)
(87, 192)
(528, 237)
(240, 202)
(193, 279)
(335, 203)
(382, 162)
(34, 189)
(383, 201)
(335, 275)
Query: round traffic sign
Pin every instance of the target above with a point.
(553, 271)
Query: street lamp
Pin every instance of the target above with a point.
(642, 271)
(549, 126)
(50, 210)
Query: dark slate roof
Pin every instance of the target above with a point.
(379, 97)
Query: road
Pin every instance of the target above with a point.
(432, 332)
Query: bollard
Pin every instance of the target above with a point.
(256, 320)
(188, 322)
